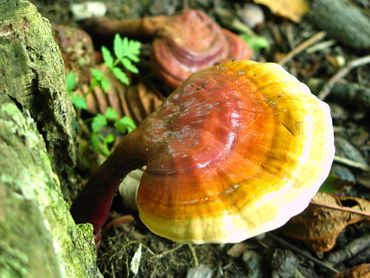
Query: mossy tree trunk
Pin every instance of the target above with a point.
(32, 74)
(38, 237)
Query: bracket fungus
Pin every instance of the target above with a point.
(236, 150)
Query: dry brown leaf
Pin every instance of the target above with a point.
(140, 102)
(294, 10)
(135, 101)
(319, 227)
(361, 271)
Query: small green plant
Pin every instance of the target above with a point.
(100, 140)
(257, 43)
(78, 101)
(125, 53)
(330, 185)
(104, 128)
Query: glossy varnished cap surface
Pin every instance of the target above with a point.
(235, 151)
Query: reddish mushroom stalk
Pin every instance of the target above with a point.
(93, 204)
(145, 27)
(236, 150)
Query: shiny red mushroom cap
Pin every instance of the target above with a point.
(235, 151)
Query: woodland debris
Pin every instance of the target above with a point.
(350, 93)
(254, 263)
(352, 163)
(199, 271)
(301, 47)
(327, 266)
(88, 9)
(361, 271)
(252, 15)
(325, 91)
(346, 149)
(351, 249)
(318, 227)
(342, 21)
(294, 10)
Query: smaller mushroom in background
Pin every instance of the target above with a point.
(235, 151)
(193, 41)
(182, 44)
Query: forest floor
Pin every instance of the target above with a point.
(331, 69)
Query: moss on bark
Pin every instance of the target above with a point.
(32, 73)
(38, 237)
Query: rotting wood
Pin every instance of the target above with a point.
(342, 21)
(352, 248)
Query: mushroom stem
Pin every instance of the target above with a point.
(137, 27)
(94, 202)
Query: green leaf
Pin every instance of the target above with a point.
(129, 66)
(125, 45)
(97, 74)
(125, 124)
(257, 43)
(107, 57)
(105, 84)
(111, 114)
(71, 82)
(109, 138)
(132, 50)
(133, 57)
(121, 76)
(135, 46)
(95, 141)
(79, 101)
(98, 143)
(104, 149)
(330, 185)
(98, 122)
(118, 46)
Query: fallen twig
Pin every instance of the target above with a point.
(194, 254)
(320, 46)
(346, 209)
(304, 45)
(165, 253)
(342, 73)
(351, 163)
(347, 92)
(328, 266)
(351, 249)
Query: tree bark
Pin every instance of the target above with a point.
(38, 237)
(32, 74)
